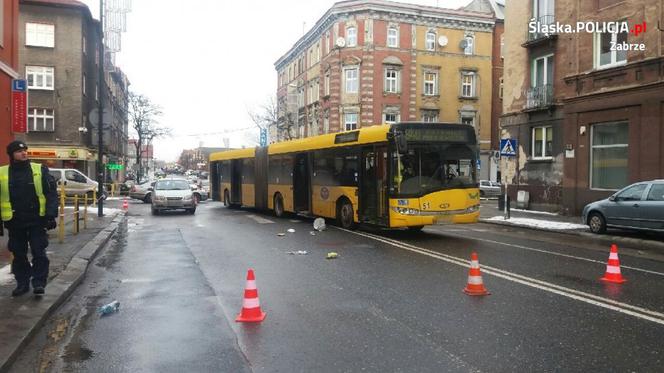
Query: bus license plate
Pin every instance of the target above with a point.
(443, 219)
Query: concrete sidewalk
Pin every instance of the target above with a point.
(23, 316)
(550, 222)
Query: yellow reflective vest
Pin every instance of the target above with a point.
(6, 210)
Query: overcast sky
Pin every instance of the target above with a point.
(208, 62)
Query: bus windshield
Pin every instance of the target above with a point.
(426, 168)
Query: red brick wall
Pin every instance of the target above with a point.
(9, 56)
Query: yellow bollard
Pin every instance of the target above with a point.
(61, 218)
(112, 189)
(85, 213)
(76, 214)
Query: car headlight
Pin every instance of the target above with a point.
(188, 197)
(159, 198)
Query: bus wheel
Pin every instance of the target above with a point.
(415, 228)
(278, 206)
(227, 199)
(345, 215)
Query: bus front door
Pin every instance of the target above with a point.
(236, 181)
(373, 185)
(301, 183)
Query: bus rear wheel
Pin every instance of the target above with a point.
(345, 215)
(278, 205)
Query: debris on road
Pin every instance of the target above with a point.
(332, 255)
(299, 252)
(106, 309)
(319, 224)
(312, 233)
(281, 234)
(291, 230)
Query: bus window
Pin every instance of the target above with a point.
(427, 168)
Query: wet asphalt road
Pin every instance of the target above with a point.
(392, 301)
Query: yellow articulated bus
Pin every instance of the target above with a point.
(400, 175)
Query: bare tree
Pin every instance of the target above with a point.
(143, 115)
(275, 115)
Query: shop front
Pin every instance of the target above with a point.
(80, 158)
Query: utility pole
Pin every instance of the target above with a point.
(100, 125)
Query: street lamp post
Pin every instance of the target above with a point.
(100, 124)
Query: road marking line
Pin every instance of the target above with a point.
(260, 220)
(610, 304)
(560, 254)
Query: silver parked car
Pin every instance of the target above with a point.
(142, 191)
(172, 194)
(489, 188)
(638, 206)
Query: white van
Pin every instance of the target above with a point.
(76, 183)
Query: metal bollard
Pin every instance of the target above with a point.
(85, 212)
(76, 214)
(61, 218)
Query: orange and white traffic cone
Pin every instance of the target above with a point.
(613, 267)
(475, 285)
(125, 204)
(251, 308)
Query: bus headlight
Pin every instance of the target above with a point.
(473, 208)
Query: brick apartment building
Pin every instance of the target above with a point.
(588, 119)
(8, 70)
(368, 62)
(58, 51)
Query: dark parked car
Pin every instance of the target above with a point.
(638, 206)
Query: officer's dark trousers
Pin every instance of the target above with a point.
(18, 245)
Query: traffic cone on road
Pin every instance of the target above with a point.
(613, 267)
(125, 204)
(251, 308)
(475, 285)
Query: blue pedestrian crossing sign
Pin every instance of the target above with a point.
(508, 147)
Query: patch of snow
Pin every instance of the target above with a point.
(538, 223)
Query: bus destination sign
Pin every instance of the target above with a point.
(437, 134)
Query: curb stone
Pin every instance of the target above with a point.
(59, 289)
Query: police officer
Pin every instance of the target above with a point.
(28, 206)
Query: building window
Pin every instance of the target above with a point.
(350, 121)
(96, 92)
(391, 83)
(468, 84)
(543, 9)
(429, 116)
(351, 80)
(39, 35)
(500, 89)
(327, 43)
(84, 84)
(390, 118)
(327, 83)
(430, 83)
(85, 47)
(326, 121)
(542, 143)
(541, 71)
(41, 120)
(430, 43)
(39, 77)
(351, 37)
(502, 45)
(469, 45)
(608, 157)
(468, 119)
(605, 55)
(392, 37)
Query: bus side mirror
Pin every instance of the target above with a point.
(402, 144)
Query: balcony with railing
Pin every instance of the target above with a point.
(540, 97)
(540, 29)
